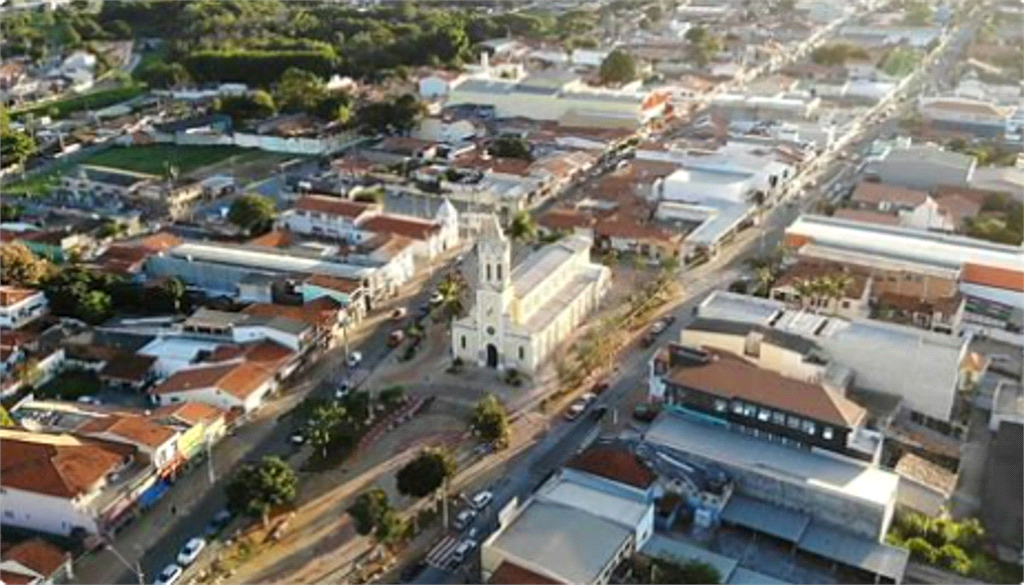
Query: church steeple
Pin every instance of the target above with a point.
(494, 256)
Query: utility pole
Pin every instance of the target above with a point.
(444, 504)
(209, 461)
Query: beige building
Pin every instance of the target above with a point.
(522, 315)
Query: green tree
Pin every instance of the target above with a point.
(69, 37)
(618, 68)
(425, 474)
(20, 267)
(323, 424)
(490, 421)
(510, 147)
(256, 105)
(256, 489)
(523, 227)
(696, 35)
(253, 213)
(172, 292)
(654, 12)
(10, 212)
(369, 509)
(391, 528)
(95, 307)
(120, 30)
(162, 75)
(299, 90)
(5, 419)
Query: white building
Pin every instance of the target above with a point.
(57, 483)
(19, 306)
(522, 315)
(237, 384)
(561, 97)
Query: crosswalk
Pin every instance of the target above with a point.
(440, 556)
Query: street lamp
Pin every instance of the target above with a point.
(135, 568)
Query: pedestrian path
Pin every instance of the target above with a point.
(440, 555)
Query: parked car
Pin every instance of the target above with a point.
(481, 500)
(89, 400)
(648, 340)
(169, 576)
(342, 391)
(669, 320)
(436, 298)
(219, 521)
(600, 387)
(463, 519)
(575, 410)
(599, 412)
(464, 548)
(399, 313)
(190, 552)
(355, 358)
(396, 338)
(297, 439)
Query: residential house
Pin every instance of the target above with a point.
(128, 258)
(438, 83)
(234, 385)
(914, 208)
(128, 371)
(61, 484)
(826, 288)
(942, 314)
(199, 425)
(35, 562)
(19, 306)
(566, 221)
(633, 236)
(327, 216)
(58, 245)
(346, 292)
(225, 326)
(154, 442)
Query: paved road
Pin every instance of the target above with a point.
(195, 499)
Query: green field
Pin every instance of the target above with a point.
(151, 159)
(90, 101)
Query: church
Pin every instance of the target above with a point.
(521, 315)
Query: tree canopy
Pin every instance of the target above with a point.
(20, 267)
(617, 68)
(510, 147)
(523, 227)
(425, 474)
(253, 213)
(369, 509)
(490, 421)
(256, 489)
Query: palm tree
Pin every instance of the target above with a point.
(451, 290)
(805, 289)
(523, 227)
(764, 278)
(840, 283)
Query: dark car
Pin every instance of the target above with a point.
(599, 412)
(409, 573)
(648, 340)
(219, 521)
(600, 387)
(669, 320)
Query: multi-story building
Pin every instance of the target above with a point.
(19, 306)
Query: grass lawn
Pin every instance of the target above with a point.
(150, 159)
(94, 100)
(71, 384)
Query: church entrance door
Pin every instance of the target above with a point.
(492, 356)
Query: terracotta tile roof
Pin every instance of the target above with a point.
(273, 239)
(629, 229)
(976, 195)
(10, 295)
(993, 277)
(565, 220)
(240, 379)
(134, 429)
(352, 165)
(159, 241)
(507, 166)
(957, 207)
(129, 367)
(509, 573)
(344, 285)
(865, 216)
(123, 259)
(189, 412)
(912, 304)
(405, 144)
(729, 376)
(387, 245)
(614, 463)
(270, 354)
(875, 193)
(12, 578)
(37, 554)
(57, 465)
(332, 206)
(318, 313)
(806, 270)
(409, 227)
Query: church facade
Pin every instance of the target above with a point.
(521, 315)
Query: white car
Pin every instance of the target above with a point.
(89, 400)
(190, 552)
(169, 576)
(464, 518)
(355, 358)
(436, 298)
(464, 548)
(481, 500)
